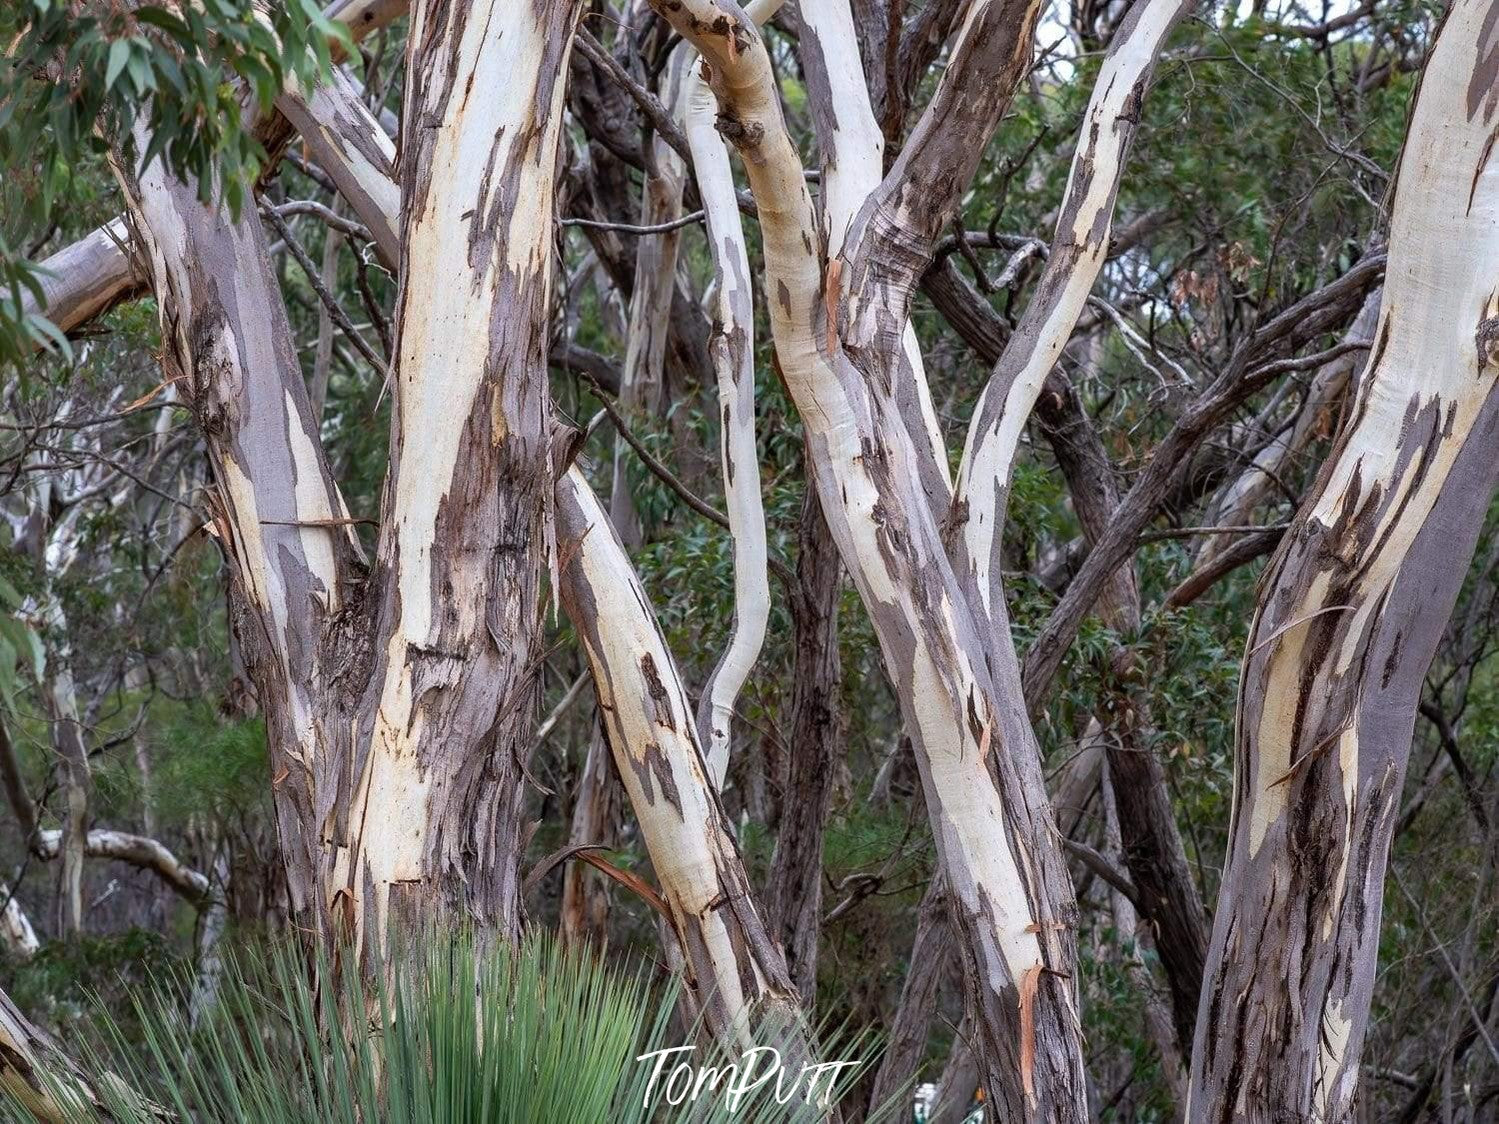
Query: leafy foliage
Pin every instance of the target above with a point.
(184, 72)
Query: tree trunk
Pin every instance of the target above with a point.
(735, 973)
(16, 933)
(1011, 901)
(731, 349)
(1149, 839)
(1353, 606)
(793, 895)
(595, 820)
(931, 956)
(399, 707)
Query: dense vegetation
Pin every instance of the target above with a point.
(1260, 173)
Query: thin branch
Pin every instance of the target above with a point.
(669, 478)
(629, 228)
(325, 215)
(649, 103)
(335, 310)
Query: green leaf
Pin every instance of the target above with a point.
(119, 55)
(50, 336)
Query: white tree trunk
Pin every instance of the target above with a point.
(866, 471)
(16, 931)
(1353, 606)
(732, 350)
(734, 969)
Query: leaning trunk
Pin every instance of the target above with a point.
(398, 706)
(1354, 604)
(734, 970)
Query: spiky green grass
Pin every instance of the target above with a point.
(456, 1035)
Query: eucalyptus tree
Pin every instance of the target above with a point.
(400, 687)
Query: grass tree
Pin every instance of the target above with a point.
(399, 685)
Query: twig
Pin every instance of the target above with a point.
(628, 228)
(1105, 870)
(1479, 1023)
(544, 731)
(326, 215)
(1189, 532)
(669, 478)
(334, 309)
(649, 103)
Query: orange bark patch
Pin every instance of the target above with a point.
(830, 300)
(1029, 982)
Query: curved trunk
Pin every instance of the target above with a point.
(734, 970)
(732, 351)
(1011, 902)
(1353, 606)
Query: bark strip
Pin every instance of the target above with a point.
(1354, 604)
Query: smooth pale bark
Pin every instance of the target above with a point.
(53, 542)
(137, 850)
(348, 142)
(86, 278)
(91, 276)
(67, 741)
(1354, 604)
(213, 922)
(732, 351)
(734, 969)
(224, 330)
(1012, 924)
(1077, 254)
(642, 390)
(16, 931)
(852, 149)
(709, 854)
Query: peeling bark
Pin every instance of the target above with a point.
(16, 931)
(1010, 899)
(91, 276)
(34, 1070)
(1077, 254)
(734, 970)
(1353, 606)
(85, 279)
(399, 707)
